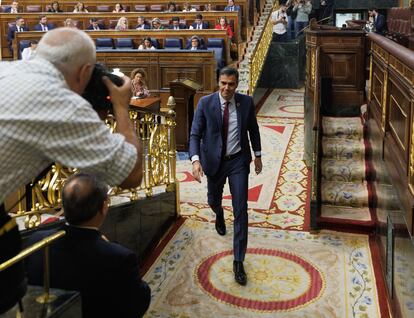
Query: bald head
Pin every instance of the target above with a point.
(83, 198)
(67, 48)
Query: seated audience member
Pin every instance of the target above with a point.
(122, 24)
(105, 273)
(146, 44)
(379, 21)
(95, 25)
(70, 23)
(232, 6)
(80, 8)
(195, 44)
(18, 26)
(43, 25)
(172, 7)
(209, 7)
(138, 85)
(14, 8)
(29, 52)
(223, 25)
(176, 25)
(279, 21)
(199, 24)
(188, 8)
(156, 24)
(118, 8)
(141, 25)
(55, 8)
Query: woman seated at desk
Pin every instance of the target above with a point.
(122, 24)
(138, 85)
(223, 25)
(146, 44)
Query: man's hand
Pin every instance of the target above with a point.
(120, 95)
(257, 165)
(197, 171)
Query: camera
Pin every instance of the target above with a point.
(96, 92)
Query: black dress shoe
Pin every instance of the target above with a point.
(239, 273)
(220, 225)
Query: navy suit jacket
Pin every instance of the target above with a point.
(105, 273)
(380, 24)
(236, 8)
(146, 27)
(38, 27)
(204, 24)
(101, 27)
(181, 26)
(206, 131)
(12, 30)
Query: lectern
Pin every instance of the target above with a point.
(183, 91)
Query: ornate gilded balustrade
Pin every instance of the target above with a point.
(259, 54)
(157, 133)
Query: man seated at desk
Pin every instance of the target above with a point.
(105, 273)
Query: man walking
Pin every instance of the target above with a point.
(219, 147)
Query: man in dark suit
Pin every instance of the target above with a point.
(232, 6)
(379, 21)
(94, 25)
(18, 26)
(199, 24)
(141, 25)
(105, 273)
(219, 148)
(176, 25)
(14, 8)
(43, 25)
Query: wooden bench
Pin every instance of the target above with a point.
(399, 25)
(82, 20)
(247, 6)
(137, 36)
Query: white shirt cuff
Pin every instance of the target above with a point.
(195, 158)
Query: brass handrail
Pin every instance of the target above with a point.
(46, 297)
(259, 54)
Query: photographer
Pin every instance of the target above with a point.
(43, 119)
(279, 21)
(303, 8)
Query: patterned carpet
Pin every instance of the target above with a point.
(290, 274)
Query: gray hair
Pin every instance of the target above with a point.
(67, 48)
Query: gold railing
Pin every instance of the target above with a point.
(46, 297)
(259, 54)
(157, 133)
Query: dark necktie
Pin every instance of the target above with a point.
(226, 116)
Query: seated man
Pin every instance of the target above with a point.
(195, 44)
(176, 25)
(43, 25)
(141, 24)
(105, 273)
(232, 6)
(94, 25)
(14, 8)
(18, 26)
(199, 24)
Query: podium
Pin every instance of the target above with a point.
(183, 91)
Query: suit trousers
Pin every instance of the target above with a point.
(237, 172)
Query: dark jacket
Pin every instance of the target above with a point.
(206, 131)
(105, 273)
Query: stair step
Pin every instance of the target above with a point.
(337, 127)
(344, 170)
(348, 194)
(346, 213)
(342, 148)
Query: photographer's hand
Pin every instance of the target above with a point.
(120, 98)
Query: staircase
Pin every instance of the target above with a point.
(252, 40)
(347, 194)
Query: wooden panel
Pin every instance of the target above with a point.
(377, 88)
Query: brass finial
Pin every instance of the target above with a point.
(171, 103)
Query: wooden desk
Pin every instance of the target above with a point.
(107, 18)
(148, 103)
